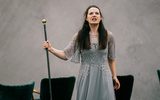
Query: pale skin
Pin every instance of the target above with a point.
(93, 17)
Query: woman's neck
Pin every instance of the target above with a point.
(94, 29)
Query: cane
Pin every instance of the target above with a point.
(48, 64)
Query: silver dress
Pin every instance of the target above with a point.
(95, 79)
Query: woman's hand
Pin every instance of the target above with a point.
(116, 83)
(47, 45)
(56, 52)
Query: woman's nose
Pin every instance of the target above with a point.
(94, 14)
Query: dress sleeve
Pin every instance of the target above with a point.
(111, 46)
(71, 51)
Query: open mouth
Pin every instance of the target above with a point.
(94, 19)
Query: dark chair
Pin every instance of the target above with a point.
(125, 91)
(16, 92)
(158, 72)
(62, 88)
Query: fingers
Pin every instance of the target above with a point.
(46, 44)
(116, 84)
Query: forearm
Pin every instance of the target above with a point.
(58, 53)
(112, 65)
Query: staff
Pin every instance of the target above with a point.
(48, 64)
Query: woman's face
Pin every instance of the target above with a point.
(93, 16)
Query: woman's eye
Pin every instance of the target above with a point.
(90, 13)
(97, 13)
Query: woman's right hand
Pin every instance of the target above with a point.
(47, 45)
(56, 52)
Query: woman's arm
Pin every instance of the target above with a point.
(111, 60)
(112, 65)
(58, 53)
(64, 54)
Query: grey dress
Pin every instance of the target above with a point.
(95, 78)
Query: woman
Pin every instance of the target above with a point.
(94, 47)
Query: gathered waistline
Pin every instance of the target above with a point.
(103, 66)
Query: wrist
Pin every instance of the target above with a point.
(114, 77)
(50, 49)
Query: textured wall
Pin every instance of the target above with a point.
(134, 23)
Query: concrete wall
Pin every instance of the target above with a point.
(134, 23)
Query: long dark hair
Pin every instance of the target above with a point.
(83, 40)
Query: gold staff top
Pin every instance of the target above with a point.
(44, 21)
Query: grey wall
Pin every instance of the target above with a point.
(134, 23)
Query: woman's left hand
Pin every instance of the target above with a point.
(116, 83)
